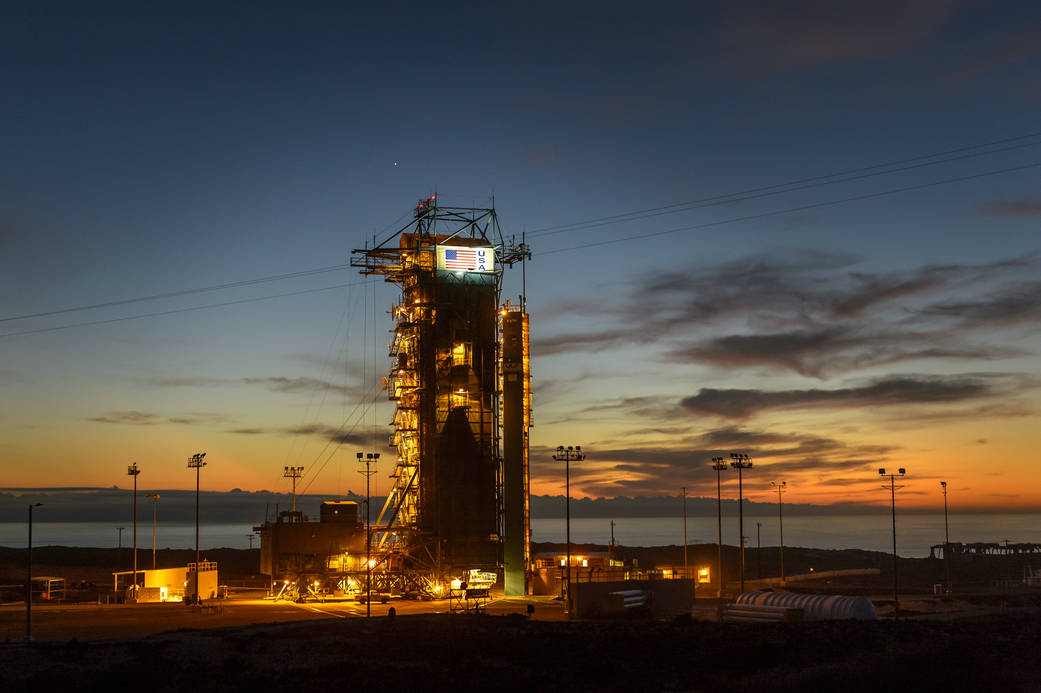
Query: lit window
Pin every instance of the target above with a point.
(460, 398)
(461, 354)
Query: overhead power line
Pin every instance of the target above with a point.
(339, 432)
(183, 292)
(752, 193)
(789, 210)
(796, 185)
(181, 310)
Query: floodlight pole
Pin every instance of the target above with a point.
(133, 471)
(741, 462)
(155, 524)
(719, 464)
(371, 458)
(567, 454)
(29, 579)
(892, 486)
(196, 463)
(293, 473)
(780, 519)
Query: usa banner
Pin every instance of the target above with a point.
(464, 259)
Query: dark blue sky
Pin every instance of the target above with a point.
(154, 148)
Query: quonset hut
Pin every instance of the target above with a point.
(459, 500)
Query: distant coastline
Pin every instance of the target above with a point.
(93, 504)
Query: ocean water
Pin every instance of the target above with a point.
(106, 535)
(916, 532)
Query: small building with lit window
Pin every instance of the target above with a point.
(168, 584)
(586, 566)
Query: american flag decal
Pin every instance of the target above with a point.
(467, 259)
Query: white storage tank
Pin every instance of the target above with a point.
(816, 607)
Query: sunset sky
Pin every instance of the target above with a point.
(808, 232)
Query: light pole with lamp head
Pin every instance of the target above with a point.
(370, 458)
(293, 473)
(719, 464)
(741, 462)
(892, 486)
(196, 462)
(780, 519)
(133, 471)
(567, 455)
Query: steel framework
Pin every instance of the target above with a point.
(445, 512)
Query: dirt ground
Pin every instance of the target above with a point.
(984, 638)
(463, 653)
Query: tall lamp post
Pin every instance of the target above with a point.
(196, 462)
(946, 540)
(370, 458)
(293, 473)
(780, 519)
(133, 471)
(893, 486)
(29, 578)
(155, 524)
(719, 464)
(741, 462)
(567, 455)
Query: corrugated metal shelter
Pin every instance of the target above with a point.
(816, 607)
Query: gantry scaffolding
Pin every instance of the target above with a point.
(446, 512)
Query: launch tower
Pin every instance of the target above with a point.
(459, 500)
